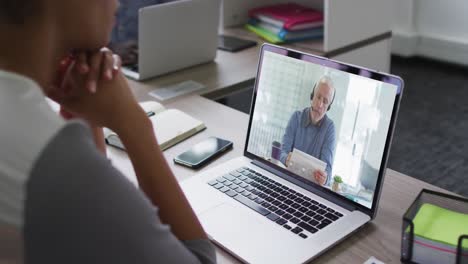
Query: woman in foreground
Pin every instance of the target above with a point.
(61, 201)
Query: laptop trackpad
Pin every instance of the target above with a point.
(244, 232)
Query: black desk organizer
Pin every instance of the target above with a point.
(447, 201)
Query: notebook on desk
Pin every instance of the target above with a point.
(258, 208)
(171, 126)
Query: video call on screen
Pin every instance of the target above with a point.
(290, 128)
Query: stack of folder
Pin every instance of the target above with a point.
(288, 22)
(436, 234)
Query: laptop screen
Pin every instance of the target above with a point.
(326, 123)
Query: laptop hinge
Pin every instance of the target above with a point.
(314, 189)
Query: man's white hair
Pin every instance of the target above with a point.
(325, 79)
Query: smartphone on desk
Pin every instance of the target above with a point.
(203, 152)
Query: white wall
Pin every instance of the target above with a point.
(431, 28)
(403, 16)
(446, 19)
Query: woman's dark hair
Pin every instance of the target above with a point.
(16, 11)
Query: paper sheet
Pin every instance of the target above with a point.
(304, 164)
(373, 260)
(163, 94)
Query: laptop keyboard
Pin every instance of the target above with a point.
(288, 208)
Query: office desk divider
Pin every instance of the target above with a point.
(435, 229)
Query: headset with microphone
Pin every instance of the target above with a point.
(313, 91)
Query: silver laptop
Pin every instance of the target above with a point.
(269, 205)
(175, 35)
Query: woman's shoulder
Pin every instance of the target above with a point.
(27, 120)
(28, 123)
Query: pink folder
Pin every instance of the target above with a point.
(290, 16)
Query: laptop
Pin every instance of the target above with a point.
(175, 35)
(264, 209)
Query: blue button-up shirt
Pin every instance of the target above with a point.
(316, 140)
(126, 28)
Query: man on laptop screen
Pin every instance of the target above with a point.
(270, 201)
(312, 131)
(358, 121)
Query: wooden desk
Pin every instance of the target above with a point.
(380, 238)
(214, 115)
(225, 75)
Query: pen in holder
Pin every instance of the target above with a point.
(435, 229)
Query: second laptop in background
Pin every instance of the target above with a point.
(175, 35)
